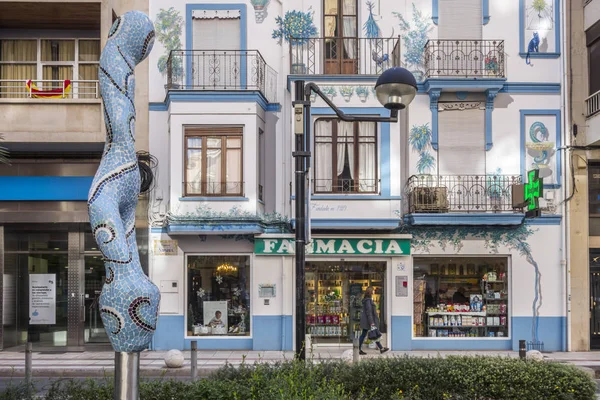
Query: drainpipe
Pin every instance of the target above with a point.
(282, 303)
(566, 136)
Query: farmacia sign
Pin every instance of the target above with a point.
(275, 246)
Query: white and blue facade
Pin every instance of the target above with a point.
(504, 100)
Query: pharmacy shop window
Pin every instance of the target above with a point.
(218, 295)
(461, 297)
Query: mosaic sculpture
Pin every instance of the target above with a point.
(129, 300)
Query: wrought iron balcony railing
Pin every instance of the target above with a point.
(592, 105)
(213, 189)
(49, 89)
(343, 56)
(221, 70)
(464, 59)
(322, 186)
(461, 193)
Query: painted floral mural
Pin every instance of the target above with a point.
(420, 141)
(415, 36)
(168, 26)
(295, 27)
(260, 9)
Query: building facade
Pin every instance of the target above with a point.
(52, 124)
(422, 209)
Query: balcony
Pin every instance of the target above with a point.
(464, 59)
(461, 193)
(344, 56)
(221, 70)
(345, 186)
(49, 89)
(213, 189)
(592, 105)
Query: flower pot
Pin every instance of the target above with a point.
(363, 97)
(347, 97)
(298, 69)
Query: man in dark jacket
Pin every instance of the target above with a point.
(369, 320)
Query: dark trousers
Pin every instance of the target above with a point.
(362, 337)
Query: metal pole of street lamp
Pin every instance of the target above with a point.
(395, 89)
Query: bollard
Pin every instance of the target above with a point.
(194, 361)
(522, 349)
(28, 354)
(355, 355)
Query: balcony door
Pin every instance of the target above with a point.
(217, 60)
(340, 27)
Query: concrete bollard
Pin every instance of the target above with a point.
(28, 365)
(355, 352)
(194, 359)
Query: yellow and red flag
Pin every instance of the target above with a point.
(51, 93)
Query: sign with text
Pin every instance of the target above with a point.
(277, 247)
(165, 247)
(42, 299)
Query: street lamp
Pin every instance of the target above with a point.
(395, 89)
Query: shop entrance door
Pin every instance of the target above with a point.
(595, 298)
(334, 293)
(94, 276)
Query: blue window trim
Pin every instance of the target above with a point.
(189, 45)
(522, 49)
(555, 113)
(384, 135)
(485, 11)
(211, 96)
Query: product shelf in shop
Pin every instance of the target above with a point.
(471, 313)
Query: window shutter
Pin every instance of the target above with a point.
(461, 142)
(216, 34)
(460, 19)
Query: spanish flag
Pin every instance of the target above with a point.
(52, 93)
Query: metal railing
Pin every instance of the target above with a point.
(215, 189)
(345, 185)
(592, 104)
(344, 56)
(464, 59)
(461, 193)
(221, 70)
(17, 89)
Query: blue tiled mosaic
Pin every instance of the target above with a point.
(129, 300)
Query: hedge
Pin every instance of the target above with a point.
(409, 378)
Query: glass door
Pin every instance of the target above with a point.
(94, 276)
(341, 40)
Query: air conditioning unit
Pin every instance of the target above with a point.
(429, 200)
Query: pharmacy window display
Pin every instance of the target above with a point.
(334, 294)
(461, 297)
(218, 295)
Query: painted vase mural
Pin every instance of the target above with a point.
(260, 10)
(169, 25)
(363, 93)
(347, 92)
(420, 141)
(415, 36)
(296, 27)
(329, 91)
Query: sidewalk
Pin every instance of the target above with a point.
(101, 363)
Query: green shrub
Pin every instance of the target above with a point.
(405, 378)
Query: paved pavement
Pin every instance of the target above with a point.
(100, 363)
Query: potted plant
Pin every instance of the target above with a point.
(329, 91)
(415, 37)
(363, 93)
(491, 65)
(168, 27)
(347, 92)
(296, 28)
(260, 9)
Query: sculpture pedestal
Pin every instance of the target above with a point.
(127, 376)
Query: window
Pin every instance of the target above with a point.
(261, 165)
(213, 161)
(218, 295)
(594, 198)
(345, 157)
(56, 61)
(460, 20)
(341, 44)
(461, 142)
(461, 297)
(592, 36)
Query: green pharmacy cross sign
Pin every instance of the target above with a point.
(534, 189)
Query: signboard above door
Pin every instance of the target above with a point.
(328, 246)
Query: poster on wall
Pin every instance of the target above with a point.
(540, 147)
(42, 299)
(539, 26)
(215, 316)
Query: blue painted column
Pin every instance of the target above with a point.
(434, 97)
(489, 108)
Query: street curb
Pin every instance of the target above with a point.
(103, 372)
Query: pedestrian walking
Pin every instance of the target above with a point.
(369, 322)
